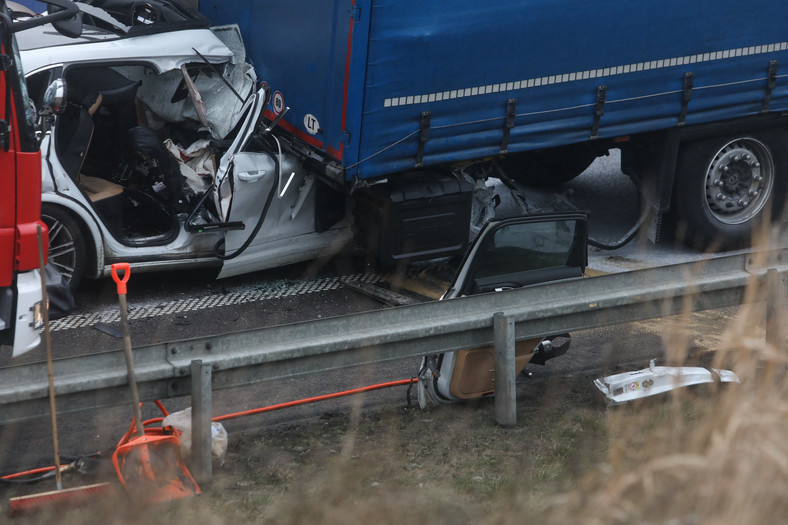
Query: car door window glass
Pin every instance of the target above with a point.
(529, 246)
(519, 254)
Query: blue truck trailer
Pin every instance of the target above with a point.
(693, 94)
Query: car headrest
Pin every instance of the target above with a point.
(125, 93)
(113, 86)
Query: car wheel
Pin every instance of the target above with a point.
(725, 186)
(66, 244)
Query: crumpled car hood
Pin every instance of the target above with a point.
(222, 105)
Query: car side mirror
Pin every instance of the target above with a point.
(70, 27)
(64, 15)
(55, 98)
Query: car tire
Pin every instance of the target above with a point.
(66, 244)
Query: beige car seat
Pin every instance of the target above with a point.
(95, 188)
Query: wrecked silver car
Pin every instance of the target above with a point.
(160, 157)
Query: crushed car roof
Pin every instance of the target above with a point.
(168, 36)
(46, 48)
(130, 17)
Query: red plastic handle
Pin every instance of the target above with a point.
(121, 281)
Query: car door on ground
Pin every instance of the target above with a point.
(507, 254)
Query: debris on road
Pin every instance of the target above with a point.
(629, 386)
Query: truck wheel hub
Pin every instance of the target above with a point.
(738, 181)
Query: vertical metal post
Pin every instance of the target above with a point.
(777, 284)
(505, 376)
(202, 468)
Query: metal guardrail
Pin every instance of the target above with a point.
(243, 358)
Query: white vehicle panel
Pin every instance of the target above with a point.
(165, 51)
(26, 335)
(655, 380)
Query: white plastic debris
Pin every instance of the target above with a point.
(196, 163)
(628, 386)
(182, 421)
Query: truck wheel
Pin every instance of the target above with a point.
(724, 186)
(66, 244)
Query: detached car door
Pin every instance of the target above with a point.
(507, 254)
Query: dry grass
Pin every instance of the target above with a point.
(695, 457)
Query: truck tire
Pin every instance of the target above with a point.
(547, 168)
(726, 185)
(66, 244)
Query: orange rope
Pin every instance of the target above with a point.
(243, 413)
(313, 399)
(30, 472)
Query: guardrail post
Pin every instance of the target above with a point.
(202, 469)
(505, 376)
(777, 283)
